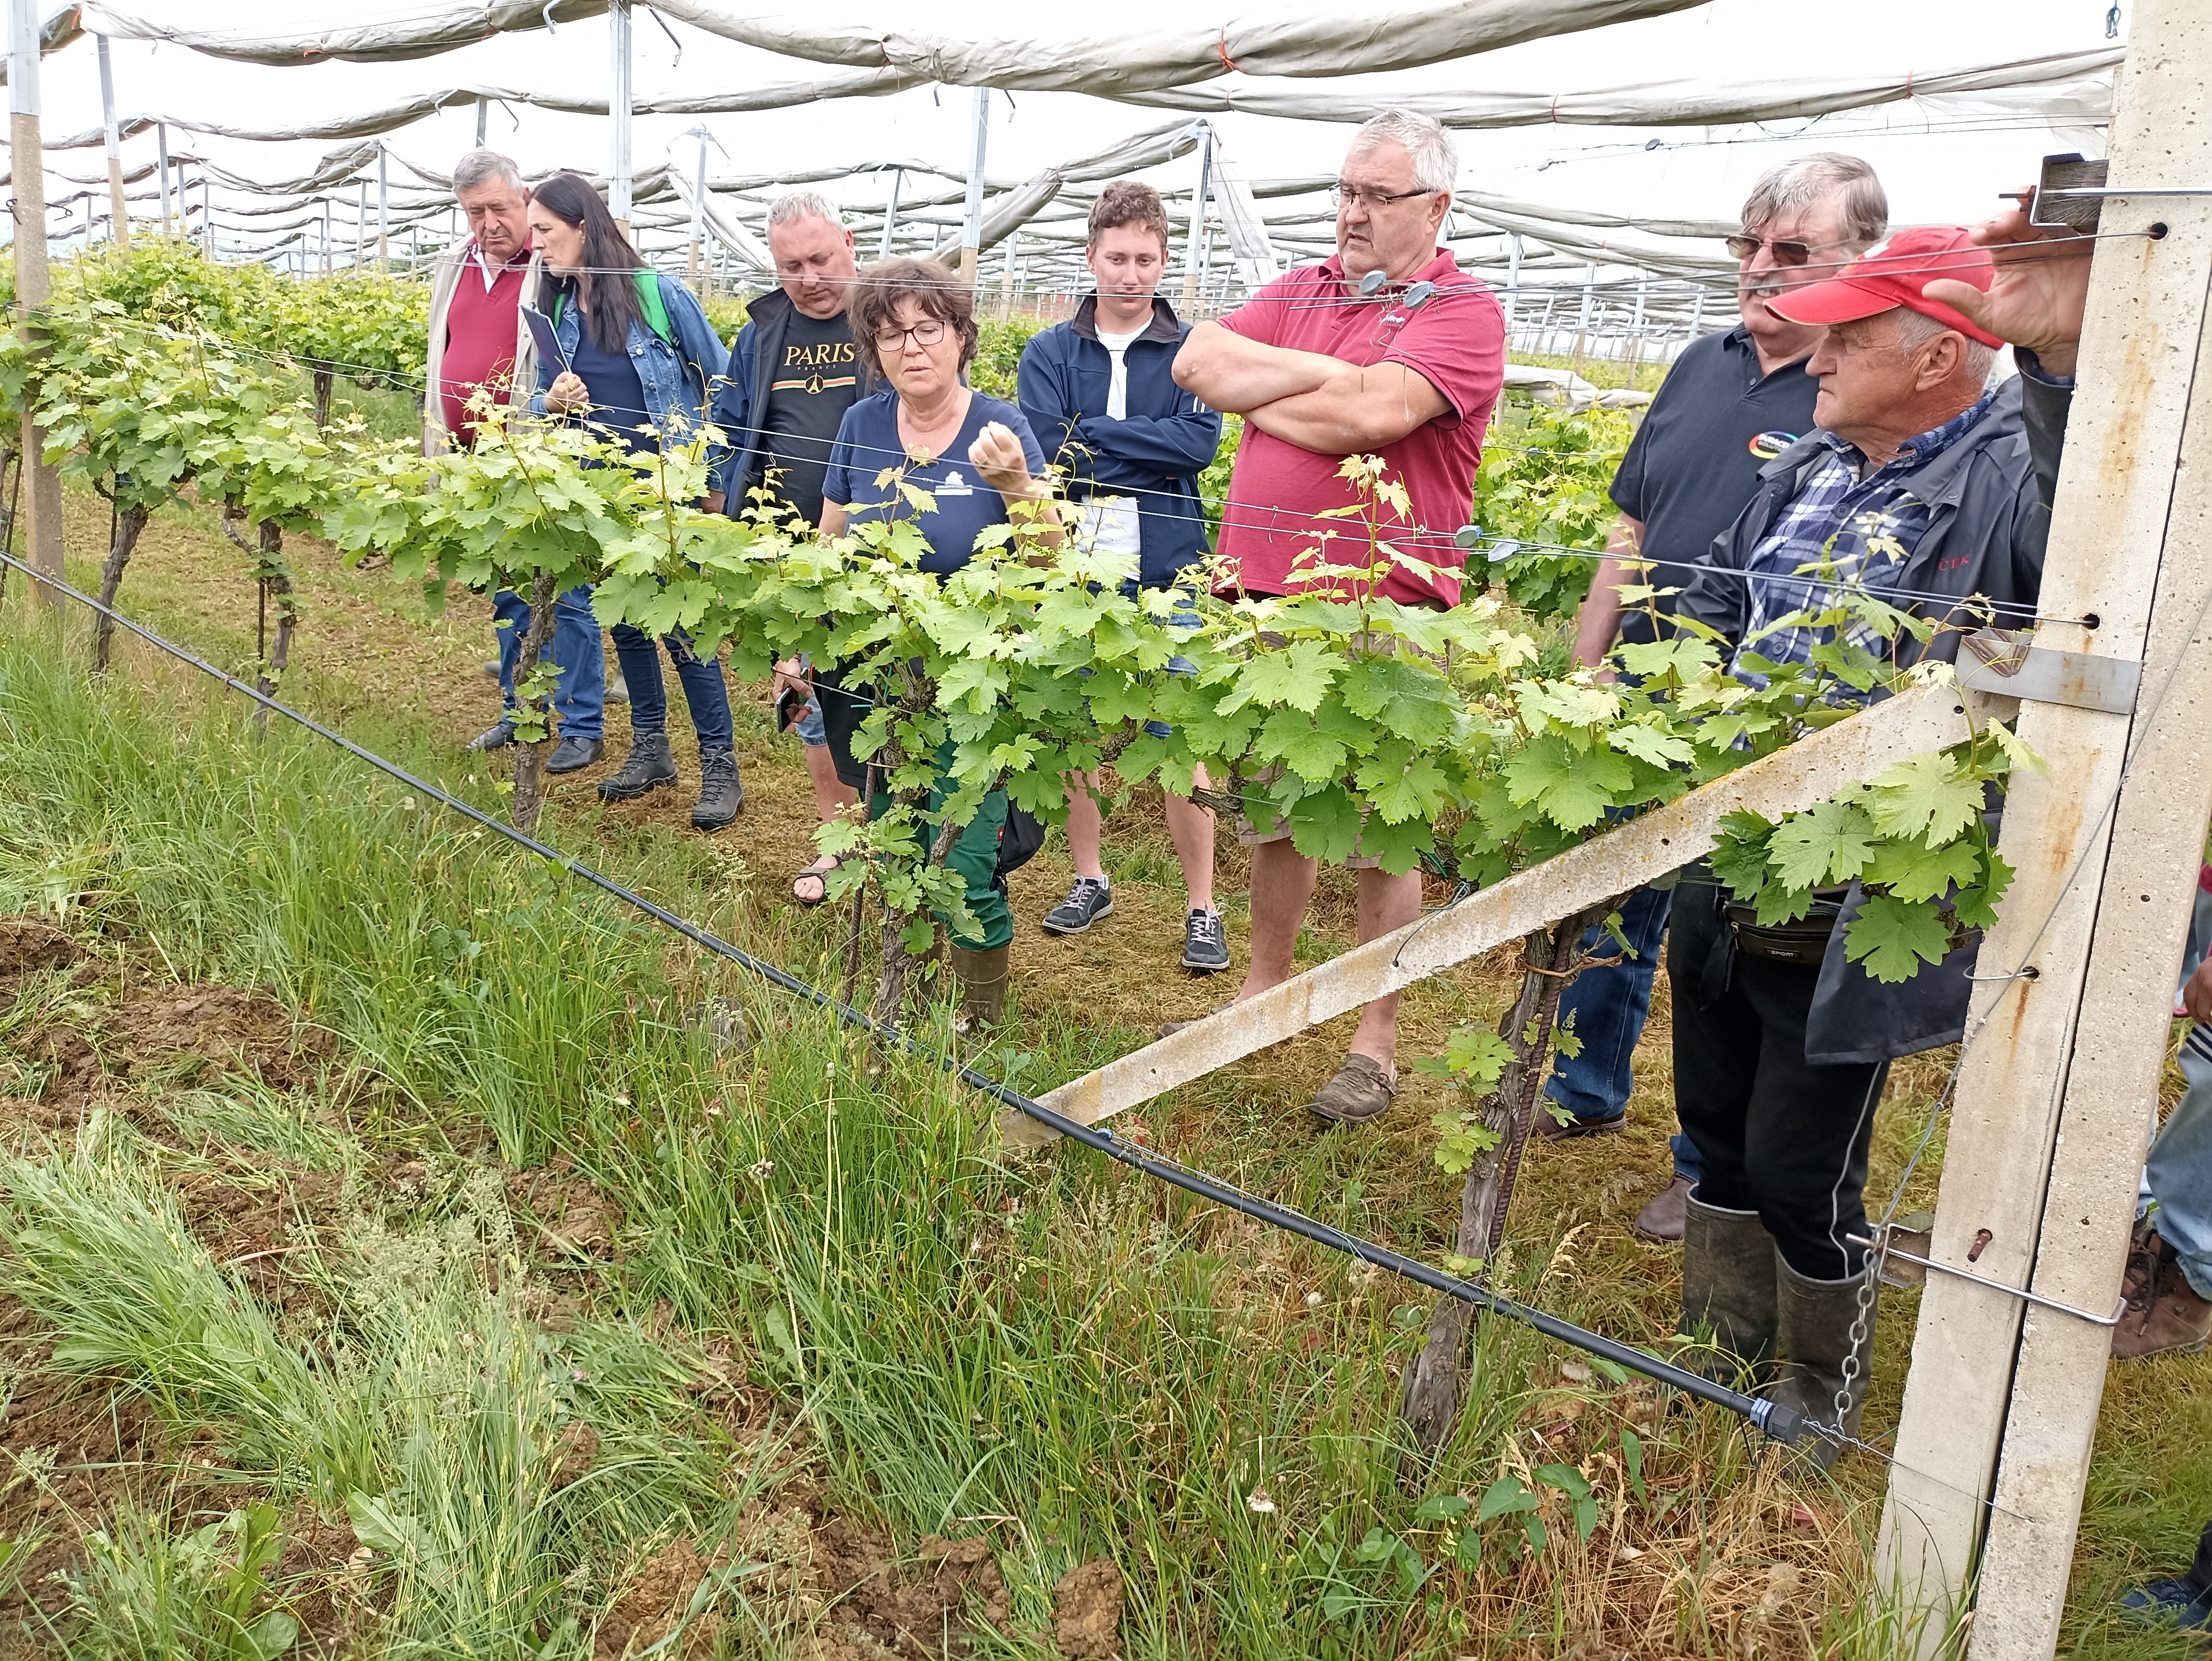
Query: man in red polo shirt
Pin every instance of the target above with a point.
(1320, 371)
(480, 347)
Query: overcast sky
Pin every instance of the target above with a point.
(1935, 170)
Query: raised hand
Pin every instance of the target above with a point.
(997, 455)
(2040, 291)
(566, 393)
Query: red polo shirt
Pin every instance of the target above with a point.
(480, 330)
(1456, 342)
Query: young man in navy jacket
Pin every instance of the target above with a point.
(1100, 391)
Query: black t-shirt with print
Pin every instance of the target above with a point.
(816, 380)
(1694, 461)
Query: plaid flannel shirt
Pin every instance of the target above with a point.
(1864, 528)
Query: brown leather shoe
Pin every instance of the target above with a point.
(2163, 1312)
(1362, 1090)
(1661, 1220)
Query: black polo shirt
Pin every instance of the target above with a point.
(1694, 461)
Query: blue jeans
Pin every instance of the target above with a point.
(580, 697)
(2178, 1172)
(1609, 1006)
(704, 689)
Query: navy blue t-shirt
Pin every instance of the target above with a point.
(617, 395)
(1694, 461)
(868, 442)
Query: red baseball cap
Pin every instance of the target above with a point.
(1892, 273)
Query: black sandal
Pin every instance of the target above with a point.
(821, 873)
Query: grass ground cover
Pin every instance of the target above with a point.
(393, 1268)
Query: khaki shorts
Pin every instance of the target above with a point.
(1252, 835)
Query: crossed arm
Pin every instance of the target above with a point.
(1312, 400)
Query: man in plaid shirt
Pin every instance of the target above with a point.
(1917, 489)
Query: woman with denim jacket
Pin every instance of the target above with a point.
(637, 361)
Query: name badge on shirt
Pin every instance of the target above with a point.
(954, 485)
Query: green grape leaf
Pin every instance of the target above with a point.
(1891, 938)
(1913, 871)
(1573, 787)
(1827, 843)
(1930, 798)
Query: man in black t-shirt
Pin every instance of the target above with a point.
(793, 375)
(1730, 404)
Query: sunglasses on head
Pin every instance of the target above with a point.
(1786, 250)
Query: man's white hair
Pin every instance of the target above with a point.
(803, 204)
(1916, 329)
(481, 167)
(1436, 158)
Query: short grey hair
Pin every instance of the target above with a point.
(486, 167)
(1916, 329)
(803, 204)
(1436, 158)
(1861, 205)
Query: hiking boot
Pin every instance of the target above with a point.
(1549, 1128)
(1361, 1091)
(1204, 946)
(982, 976)
(1814, 1328)
(651, 766)
(721, 798)
(1089, 899)
(495, 737)
(2163, 1312)
(1728, 1286)
(2183, 1604)
(1662, 1219)
(573, 755)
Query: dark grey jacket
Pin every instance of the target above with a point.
(1990, 516)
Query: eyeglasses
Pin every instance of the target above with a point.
(1787, 252)
(1358, 196)
(927, 332)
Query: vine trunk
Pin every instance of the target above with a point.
(1436, 1381)
(530, 754)
(129, 522)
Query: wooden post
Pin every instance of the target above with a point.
(118, 212)
(1994, 1408)
(43, 504)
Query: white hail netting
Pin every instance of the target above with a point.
(1315, 43)
(2065, 88)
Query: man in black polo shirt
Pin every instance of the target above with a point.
(793, 375)
(1731, 404)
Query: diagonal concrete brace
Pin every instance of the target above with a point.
(1666, 839)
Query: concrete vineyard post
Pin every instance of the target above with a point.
(1994, 1408)
(42, 505)
(120, 228)
(971, 217)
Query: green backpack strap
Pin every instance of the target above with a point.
(648, 300)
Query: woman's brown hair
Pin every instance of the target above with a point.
(937, 291)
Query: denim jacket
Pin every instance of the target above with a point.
(679, 380)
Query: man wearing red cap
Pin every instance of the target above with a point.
(1918, 487)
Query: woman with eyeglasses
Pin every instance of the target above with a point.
(638, 360)
(914, 325)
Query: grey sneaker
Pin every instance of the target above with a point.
(1088, 900)
(497, 736)
(1204, 947)
(1362, 1090)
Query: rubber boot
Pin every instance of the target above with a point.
(984, 977)
(651, 766)
(1815, 1330)
(1728, 1287)
(721, 798)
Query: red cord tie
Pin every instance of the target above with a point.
(1221, 47)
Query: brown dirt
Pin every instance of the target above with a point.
(27, 944)
(1086, 1610)
(225, 1029)
(916, 1609)
(655, 1602)
(573, 1219)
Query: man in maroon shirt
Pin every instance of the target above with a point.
(479, 348)
(1321, 371)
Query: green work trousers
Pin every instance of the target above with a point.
(975, 856)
